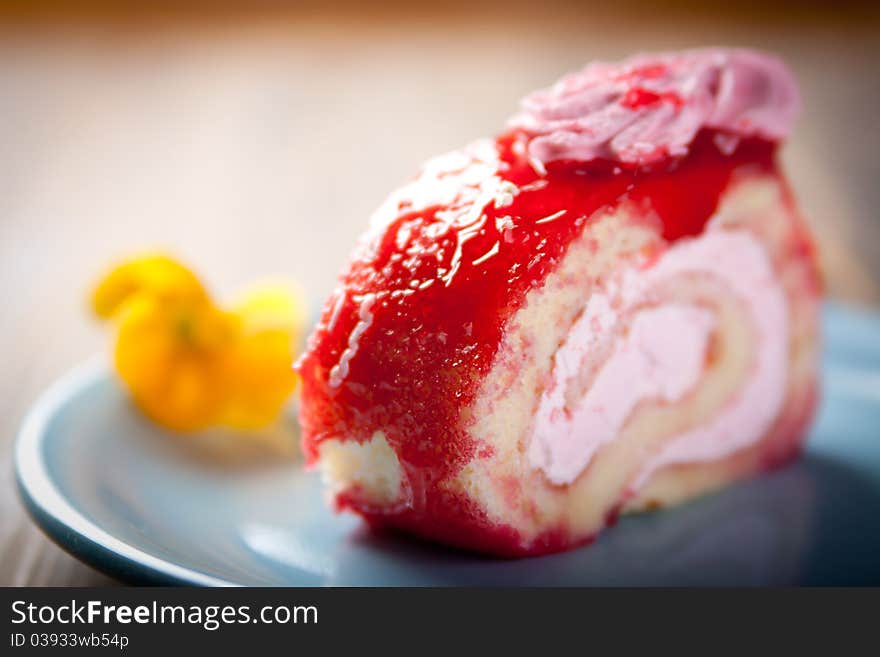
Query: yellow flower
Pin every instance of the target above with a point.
(154, 275)
(258, 367)
(189, 364)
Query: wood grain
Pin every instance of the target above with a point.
(260, 146)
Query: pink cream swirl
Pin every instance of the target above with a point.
(652, 106)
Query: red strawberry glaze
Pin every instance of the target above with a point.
(437, 293)
(638, 97)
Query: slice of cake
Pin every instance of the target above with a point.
(610, 307)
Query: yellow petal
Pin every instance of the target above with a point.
(156, 275)
(188, 364)
(174, 374)
(271, 305)
(260, 378)
(260, 366)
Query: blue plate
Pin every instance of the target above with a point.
(143, 506)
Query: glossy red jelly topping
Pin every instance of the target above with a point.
(639, 97)
(418, 316)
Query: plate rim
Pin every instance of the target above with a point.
(61, 521)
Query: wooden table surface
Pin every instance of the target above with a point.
(258, 145)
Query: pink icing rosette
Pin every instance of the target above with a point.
(649, 107)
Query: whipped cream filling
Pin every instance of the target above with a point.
(662, 357)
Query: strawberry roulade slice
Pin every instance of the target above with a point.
(610, 307)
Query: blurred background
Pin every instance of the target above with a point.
(254, 138)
